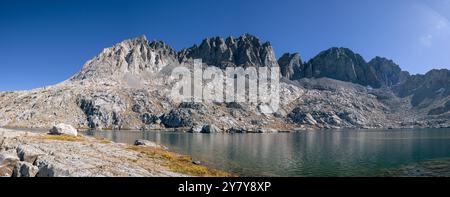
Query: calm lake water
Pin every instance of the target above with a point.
(312, 153)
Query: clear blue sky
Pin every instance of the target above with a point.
(45, 42)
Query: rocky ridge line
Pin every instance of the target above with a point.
(127, 87)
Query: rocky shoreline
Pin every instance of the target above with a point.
(26, 154)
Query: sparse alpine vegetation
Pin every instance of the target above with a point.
(24, 154)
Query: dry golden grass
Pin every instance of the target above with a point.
(70, 138)
(179, 163)
(63, 138)
(102, 140)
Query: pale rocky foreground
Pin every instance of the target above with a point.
(25, 154)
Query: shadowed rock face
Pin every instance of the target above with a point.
(247, 50)
(177, 118)
(440, 110)
(102, 110)
(425, 88)
(291, 66)
(345, 65)
(341, 64)
(387, 72)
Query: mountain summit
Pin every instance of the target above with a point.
(345, 65)
(247, 50)
(136, 56)
(127, 86)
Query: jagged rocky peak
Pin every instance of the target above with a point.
(247, 50)
(162, 47)
(345, 65)
(387, 72)
(291, 66)
(341, 64)
(129, 57)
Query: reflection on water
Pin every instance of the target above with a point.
(315, 153)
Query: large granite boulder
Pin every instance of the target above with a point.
(26, 169)
(147, 143)
(195, 129)
(210, 128)
(8, 163)
(28, 153)
(63, 129)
